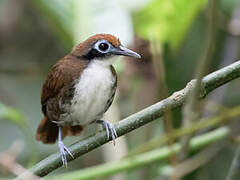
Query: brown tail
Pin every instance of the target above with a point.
(47, 131)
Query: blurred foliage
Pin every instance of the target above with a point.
(13, 115)
(17, 118)
(31, 33)
(59, 15)
(167, 21)
(228, 6)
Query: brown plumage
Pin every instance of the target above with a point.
(84, 47)
(79, 89)
(47, 131)
(59, 86)
(58, 89)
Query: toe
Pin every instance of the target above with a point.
(68, 151)
(113, 132)
(63, 157)
(109, 129)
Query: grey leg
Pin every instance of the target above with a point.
(63, 149)
(109, 129)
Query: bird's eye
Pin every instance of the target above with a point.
(103, 46)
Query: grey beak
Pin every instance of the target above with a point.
(125, 52)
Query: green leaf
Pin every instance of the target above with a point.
(17, 118)
(11, 114)
(58, 15)
(167, 21)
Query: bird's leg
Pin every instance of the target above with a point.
(63, 149)
(109, 129)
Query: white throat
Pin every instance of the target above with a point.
(101, 62)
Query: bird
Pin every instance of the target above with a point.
(79, 89)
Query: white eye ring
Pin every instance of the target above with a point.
(102, 46)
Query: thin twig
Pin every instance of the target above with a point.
(209, 83)
(191, 109)
(226, 117)
(235, 167)
(8, 162)
(197, 161)
(159, 69)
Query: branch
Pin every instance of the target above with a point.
(209, 83)
(144, 159)
(207, 123)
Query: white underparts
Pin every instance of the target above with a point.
(92, 91)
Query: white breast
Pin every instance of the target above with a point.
(92, 92)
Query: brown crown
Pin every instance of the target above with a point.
(84, 47)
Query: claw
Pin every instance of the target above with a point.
(63, 149)
(63, 153)
(68, 151)
(109, 127)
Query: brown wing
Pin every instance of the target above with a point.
(52, 85)
(59, 85)
(58, 90)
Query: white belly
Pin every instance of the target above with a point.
(92, 92)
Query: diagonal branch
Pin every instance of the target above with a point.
(209, 83)
(147, 158)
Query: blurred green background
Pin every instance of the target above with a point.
(171, 36)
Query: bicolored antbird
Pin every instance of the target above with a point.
(79, 89)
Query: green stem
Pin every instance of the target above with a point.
(191, 109)
(143, 159)
(235, 167)
(209, 83)
(211, 122)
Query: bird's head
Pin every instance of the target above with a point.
(101, 47)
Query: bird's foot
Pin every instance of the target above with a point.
(63, 152)
(109, 127)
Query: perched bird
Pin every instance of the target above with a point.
(79, 89)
